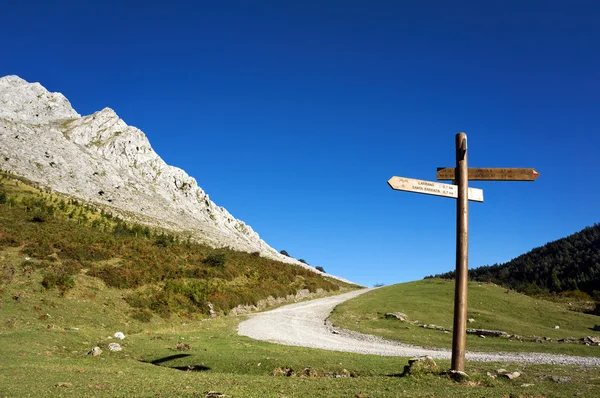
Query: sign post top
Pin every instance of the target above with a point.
(491, 174)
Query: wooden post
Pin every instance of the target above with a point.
(459, 336)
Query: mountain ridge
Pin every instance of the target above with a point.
(567, 264)
(101, 159)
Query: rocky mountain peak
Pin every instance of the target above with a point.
(102, 160)
(31, 103)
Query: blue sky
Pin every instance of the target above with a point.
(294, 114)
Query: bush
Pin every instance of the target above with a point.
(304, 262)
(142, 315)
(39, 217)
(284, 253)
(60, 277)
(216, 260)
(319, 268)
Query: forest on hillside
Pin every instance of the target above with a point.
(567, 264)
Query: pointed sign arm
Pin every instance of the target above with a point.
(491, 173)
(432, 188)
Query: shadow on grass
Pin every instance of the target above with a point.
(396, 375)
(186, 368)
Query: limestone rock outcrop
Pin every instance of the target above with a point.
(102, 160)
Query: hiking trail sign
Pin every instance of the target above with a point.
(432, 188)
(491, 174)
(461, 191)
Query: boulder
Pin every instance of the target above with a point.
(458, 375)
(396, 315)
(115, 347)
(96, 351)
(488, 333)
(421, 365)
(119, 335)
(512, 375)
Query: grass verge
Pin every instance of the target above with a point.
(430, 301)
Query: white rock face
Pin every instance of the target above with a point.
(100, 159)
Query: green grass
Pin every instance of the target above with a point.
(35, 357)
(430, 301)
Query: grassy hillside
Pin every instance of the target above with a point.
(567, 264)
(46, 336)
(159, 273)
(492, 307)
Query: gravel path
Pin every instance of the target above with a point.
(304, 324)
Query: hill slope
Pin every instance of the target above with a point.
(100, 159)
(571, 263)
(529, 323)
(56, 239)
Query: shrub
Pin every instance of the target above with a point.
(216, 260)
(304, 262)
(161, 241)
(59, 277)
(38, 217)
(319, 268)
(285, 253)
(142, 315)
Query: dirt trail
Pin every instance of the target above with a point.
(304, 324)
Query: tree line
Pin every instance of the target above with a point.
(567, 264)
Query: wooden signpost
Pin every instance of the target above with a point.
(461, 191)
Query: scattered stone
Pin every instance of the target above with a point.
(592, 339)
(512, 375)
(482, 336)
(283, 372)
(307, 372)
(181, 346)
(64, 384)
(397, 315)
(559, 379)
(51, 327)
(527, 385)
(490, 375)
(72, 329)
(471, 320)
(556, 327)
(119, 335)
(421, 365)
(115, 347)
(211, 310)
(501, 371)
(95, 352)
(489, 333)
(215, 394)
(458, 375)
